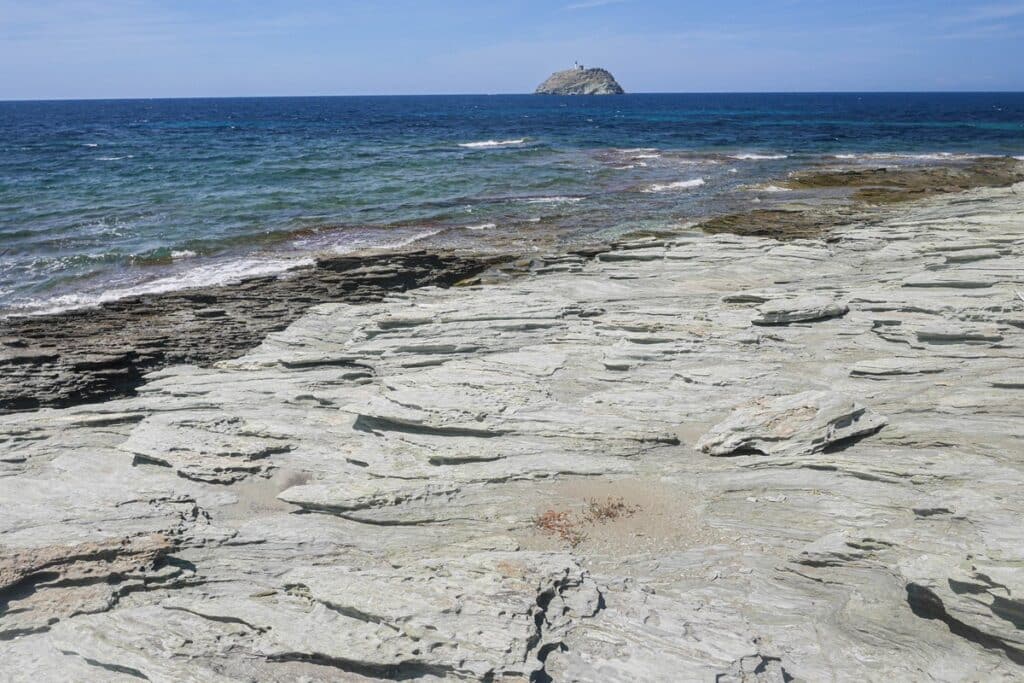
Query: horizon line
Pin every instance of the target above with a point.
(511, 94)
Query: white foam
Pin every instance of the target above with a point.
(928, 156)
(182, 254)
(553, 200)
(734, 170)
(411, 240)
(490, 144)
(201, 276)
(679, 185)
(758, 157)
(129, 156)
(772, 188)
(482, 226)
(91, 144)
(646, 156)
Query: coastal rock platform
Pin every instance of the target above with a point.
(608, 469)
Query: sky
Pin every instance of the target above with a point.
(67, 49)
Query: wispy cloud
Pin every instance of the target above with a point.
(990, 12)
(591, 4)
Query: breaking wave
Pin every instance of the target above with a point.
(491, 144)
(679, 185)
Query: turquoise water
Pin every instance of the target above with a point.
(101, 199)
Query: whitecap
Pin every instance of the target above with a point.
(758, 157)
(679, 185)
(916, 156)
(183, 254)
(553, 200)
(646, 156)
(771, 188)
(129, 156)
(482, 226)
(490, 144)
(91, 144)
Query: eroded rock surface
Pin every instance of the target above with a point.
(515, 481)
(93, 355)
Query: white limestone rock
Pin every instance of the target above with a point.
(800, 424)
(800, 310)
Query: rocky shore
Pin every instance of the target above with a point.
(719, 455)
(96, 354)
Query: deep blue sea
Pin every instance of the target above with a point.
(102, 199)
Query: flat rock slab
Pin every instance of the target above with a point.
(949, 280)
(895, 367)
(802, 310)
(971, 255)
(800, 424)
(956, 333)
(1011, 379)
(203, 447)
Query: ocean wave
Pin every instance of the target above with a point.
(209, 275)
(482, 226)
(128, 156)
(912, 156)
(91, 144)
(646, 156)
(553, 200)
(758, 157)
(412, 239)
(183, 254)
(679, 185)
(490, 144)
(770, 188)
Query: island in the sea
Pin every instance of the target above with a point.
(580, 81)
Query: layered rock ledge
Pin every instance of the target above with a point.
(609, 469)
(96, 354)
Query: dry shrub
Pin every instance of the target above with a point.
(609, 509)
(568, 527)
(562, 525)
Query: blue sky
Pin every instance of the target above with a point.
(173, 48)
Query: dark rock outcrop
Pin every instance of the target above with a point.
(92, 355)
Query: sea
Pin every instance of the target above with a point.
(107, 199)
